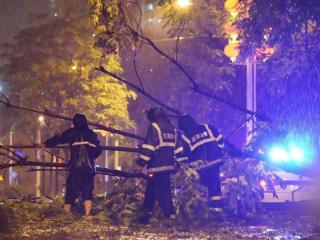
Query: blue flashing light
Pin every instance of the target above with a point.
(293, 151)
(279, 155)
(296, 154)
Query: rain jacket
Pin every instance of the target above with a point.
(157, 151)
(83, 142)
(201, 146)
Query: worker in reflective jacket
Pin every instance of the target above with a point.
(201, 147)
(157, 155)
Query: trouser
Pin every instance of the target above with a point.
(158, 188)
(210, 178)
(79, 183)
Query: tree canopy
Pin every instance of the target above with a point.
(176, 51)
(289, 80)
(52, 66)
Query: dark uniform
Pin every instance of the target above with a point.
(84, 149)
(201, 148)
(157, 153)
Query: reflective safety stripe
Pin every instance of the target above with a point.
(218, 138)
(216, 198)
(221, 145)
(209, 131)
(160, 169)
(181, 159)
(161, 142)
(156, 126)
(211, 138)
(83, 143)
(165, 144)
(187, 140)
(144, 157)
(216, 209)
(193, 147)
(149, 147)
(178, 150)
(201, 164)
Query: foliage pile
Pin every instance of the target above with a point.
(121, 205)
(242, 192)
(190, 197)
(13, 213)
(244, 184)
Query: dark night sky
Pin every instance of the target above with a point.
(15, 15)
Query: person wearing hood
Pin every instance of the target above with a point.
(157, 155)
(201, 146)
(84, 149)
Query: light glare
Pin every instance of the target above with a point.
(41, 119)
(278, 154)
(183, 3)
(296, 154)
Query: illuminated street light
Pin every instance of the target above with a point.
(184, 3)
(41, 119)
(1, 88)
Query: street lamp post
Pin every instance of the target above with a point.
(106, 156)
(10, 168)
(251, 99)
(116, 156)
(38, 156)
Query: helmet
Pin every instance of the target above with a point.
(186, 122)
(154, 113)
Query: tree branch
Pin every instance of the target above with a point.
(195, 87)
(59, 116)
(100, 170)
(140, 90)
(109, 148)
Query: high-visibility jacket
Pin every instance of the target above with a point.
(158, 148)
(201, 147)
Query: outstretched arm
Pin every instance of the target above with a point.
(60, 138)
